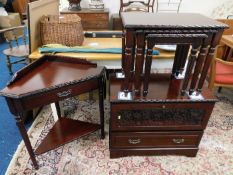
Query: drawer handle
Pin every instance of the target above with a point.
(64, 93)
(134, 141)
(178, 141)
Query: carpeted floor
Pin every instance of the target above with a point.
(90, 155)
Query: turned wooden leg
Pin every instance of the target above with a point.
(185, 52)
(215, 40)
(128, 59)
(139, 62)
(176, 59)
(180, 59)
(8, 63)
(148, 62)
(101, 106)
(189, 68)
(123, 53)
(199, 64)
(26, 140)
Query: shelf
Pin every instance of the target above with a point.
(65, 130)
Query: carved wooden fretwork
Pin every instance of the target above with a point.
(160, 117)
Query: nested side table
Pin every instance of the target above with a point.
(138, 25)
(171, 114)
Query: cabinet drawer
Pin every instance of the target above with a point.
(33, 101)
(160, 116)
(93, 16)
(155, 139)
(95, 25)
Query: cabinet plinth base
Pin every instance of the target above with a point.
(189, 152)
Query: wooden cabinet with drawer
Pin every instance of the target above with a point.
(161, 123)
(92, 19)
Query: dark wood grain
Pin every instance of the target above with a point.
(158, 118)
(91, 19)
(48, 80)
(64, 131)
(149, 123)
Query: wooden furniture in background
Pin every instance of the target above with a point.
(13, 32)
(221, 73)
(116, 22)
(171, 116)
(52, 79)
(229, 22)
(91, 19)
(20, 6)
(227, 43)
(109, 60)
(36, 10)
(132, 5)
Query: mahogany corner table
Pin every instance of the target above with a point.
(48, 80)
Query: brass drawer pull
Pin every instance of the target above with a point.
(178, 141)
(64, 93)
(134, 141)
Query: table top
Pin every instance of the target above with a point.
(50, 72)
(102, 43)
(142, 20)
(227, 40)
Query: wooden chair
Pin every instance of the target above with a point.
(144, 6)
(12, 34)
(20, 6)
(221, 74)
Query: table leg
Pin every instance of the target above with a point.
(128, 59)
(123, 52)
(101, 105)
(215, 40)
(180, 59)
(176, 59)
(139, 61)
(23, 131)
(148, 62)
(184, 56)
(189, 68)
(199, 63)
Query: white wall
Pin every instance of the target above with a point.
(211, 8)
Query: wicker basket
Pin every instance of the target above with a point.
(66, 30)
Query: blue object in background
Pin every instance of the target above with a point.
(9, 133)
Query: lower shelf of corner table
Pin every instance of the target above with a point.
(65, 130)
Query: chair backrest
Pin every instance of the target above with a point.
(136, 5)
(12, 20)
(229, 22)
(12, 28)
